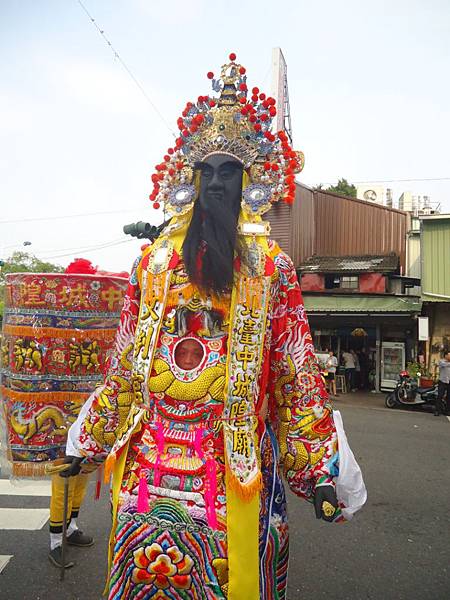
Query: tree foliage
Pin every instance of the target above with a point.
(343, 187)
(23, 262)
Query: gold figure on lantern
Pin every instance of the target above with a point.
(27, 354)
(85, 355)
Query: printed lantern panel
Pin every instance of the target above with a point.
(58, 331)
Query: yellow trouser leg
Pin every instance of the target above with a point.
(77, 491)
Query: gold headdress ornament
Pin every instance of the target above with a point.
(230, 124)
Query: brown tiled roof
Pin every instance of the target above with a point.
(381, 263)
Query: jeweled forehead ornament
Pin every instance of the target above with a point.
(236, 123)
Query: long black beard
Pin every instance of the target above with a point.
(214, 233)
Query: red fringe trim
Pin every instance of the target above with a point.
(29, 469)
(46, 397)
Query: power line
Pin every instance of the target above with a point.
(75, 216)
(89, 249)
(391, 180)
(127, 69)
(81, 248)
(75, 249)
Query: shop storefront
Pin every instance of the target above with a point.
(382, 330)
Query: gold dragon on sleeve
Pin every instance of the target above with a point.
(294, 454)
(103, 428)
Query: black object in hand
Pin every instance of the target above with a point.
(74, 467)
(325, 493)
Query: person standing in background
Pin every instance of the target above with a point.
(443, 387)
(331, 365)
(357, 374)
(363, 364)
(349, 366)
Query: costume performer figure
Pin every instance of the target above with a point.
(58, 329)
(213, 391)
(79, 483)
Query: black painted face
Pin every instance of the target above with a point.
(220, 181)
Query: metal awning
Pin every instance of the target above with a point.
(361, 304)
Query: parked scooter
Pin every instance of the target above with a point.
(407, 393)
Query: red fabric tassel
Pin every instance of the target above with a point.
(142, 503)
(98, 484)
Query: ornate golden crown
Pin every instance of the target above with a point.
(230, 124)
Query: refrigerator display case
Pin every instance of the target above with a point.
(392, 362)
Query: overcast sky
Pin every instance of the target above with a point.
(368, 82)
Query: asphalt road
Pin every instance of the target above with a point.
(396, 548)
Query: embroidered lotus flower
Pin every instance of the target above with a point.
(163, 568)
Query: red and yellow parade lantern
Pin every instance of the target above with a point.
(58, 329)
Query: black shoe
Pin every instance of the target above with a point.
(55, 557)
(78, 538)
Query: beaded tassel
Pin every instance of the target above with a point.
(160, 446)
(211, 493)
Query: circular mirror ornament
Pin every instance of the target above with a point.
(181, 199)
(256, 198)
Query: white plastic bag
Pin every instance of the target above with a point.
(350, 488)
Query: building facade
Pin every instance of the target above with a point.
(351, 259)
(435, 279)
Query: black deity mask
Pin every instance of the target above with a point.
(220, 183)
(211, 240)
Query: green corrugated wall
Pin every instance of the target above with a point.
(436, 258)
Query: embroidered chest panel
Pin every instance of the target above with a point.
(179, 447)
(188, 373)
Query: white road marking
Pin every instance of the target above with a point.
(28, 488)
(4, 560)
(448, 417)
(23, 518)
